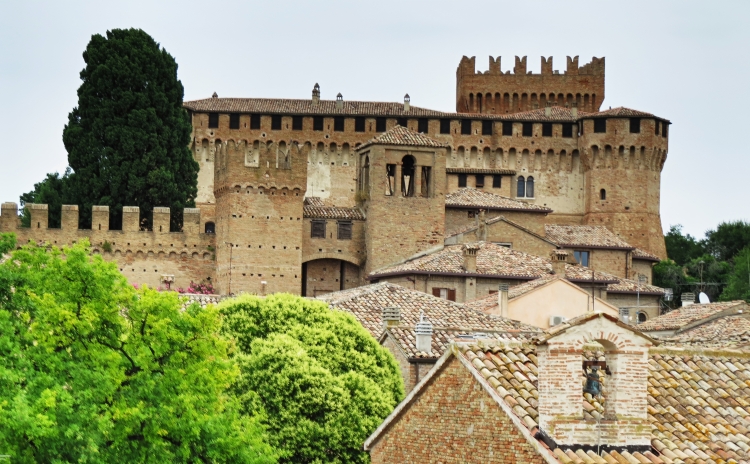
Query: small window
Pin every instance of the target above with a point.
(359, 124)
(462, 180)
(403, 122)
(234, 121)
(642, 317)
(318, 123)
(345, 230)
(466, 127)
(380, 124)
(444, 293)
(507, 128)
(602, 194)
(521, 187)
(486, 127)
(625, 315)
(635, 125)
(210, 228)
(656, 127)
(664, 126)
(254, 121)
(423, 125)
(497, 181)
(581, 257)
(600, 126)
(529, 187)
(296, 122)
(528, 129)
(213, 120)
(338, 124)
(445, 126)
(318, 229)
(547, 129)
(567, 130)
(276, 122)
(480, 180)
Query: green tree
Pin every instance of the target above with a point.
(668, 274)
(738, 286)
(682, 248)
(323, 381)
(728, 239)
(127, 140)
(709, 275)
(93, 371)
(52, 191)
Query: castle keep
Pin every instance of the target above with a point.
(313, 196)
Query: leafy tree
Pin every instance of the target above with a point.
(728, 239)
(682, 248)
(127, 140)
(52, 191)
(93, 371)
(738, 286)
(668, 274)
(323, 381)
(7, 243)
(709, 275)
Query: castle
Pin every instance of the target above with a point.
(313, 196)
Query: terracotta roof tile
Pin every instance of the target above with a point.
(442, 338)
(685, 315)
(480, 171)
(315, 208)
(468, 197)
(586, 236)
(490, 301)
(399, 135)
(639, 253)
(620, 112)
(729, 331)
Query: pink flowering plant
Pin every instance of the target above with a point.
(200, 288)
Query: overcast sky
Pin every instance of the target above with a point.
(683, 60)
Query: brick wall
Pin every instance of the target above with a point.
(325, 276)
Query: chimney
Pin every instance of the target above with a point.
(687, 299)
(559, 258)
(215, 95)
(407, 102)
(574, 110)
(316, 95)
(470, 257)
(391, 317)
(548, 110)
(482, 232)
(502, 299)
(423, 331)
(339, 101)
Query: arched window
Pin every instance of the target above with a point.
(521, 189)
(602, 194)
(642, 317)
(529, 187)
(407, 175)
(210, 228)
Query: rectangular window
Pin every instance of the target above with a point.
(276, 122)
(213, 120)
(403, 122)
(296, 122)
(338, 124)
(635, 125)
(480, 180)
(664, 126)
(318, 123)
(625, 315)
(444, 293)
(345, 230)
(462, 180)
(600, 126)
(423, 126)
(466, 127)
(567, 130)
(445, 126)
(318, 229)
(656, 127)
(528, 129)
(254, 121)
(487, 127)
(497, 181)
(234, 121)
(359, 124)
(581, 257)
(547, 129)
(507, 128)
(380, 124)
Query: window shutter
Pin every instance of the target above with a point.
(436, 292)
(318, 229)
(452, 294)
(345, 230)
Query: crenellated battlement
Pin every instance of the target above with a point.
(467, 66)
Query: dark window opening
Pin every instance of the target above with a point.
(444, 293)
(480, 180)
(213, 120)
(345, 230)
(359, 124)
(529, 187)
(408, 165)
(528, 129)
(602, 194)
(234, 121)
(254, 121)
(664, 126)
(445, 126)
(462, 180)
(318, 229)
(425, 187)
(390, 181)
(296, 122)
(600, 126)
(497, 181)
(656, 127)
(521, 187)
(486, 127)
(635, 125)
(380, 124)
(471, 214)
(318, 123)
(507, 128)
(581, 257)
(466, 127)
(642, 317)
(276, 122)
(423, 126)
(547, 129)
(567, 130)
(403, 122)
(210, 228)
(338, 124)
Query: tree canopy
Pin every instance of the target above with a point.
(52, 191)
(93, 371)
(738, 285)
(323, 382)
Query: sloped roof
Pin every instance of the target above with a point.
(685, 315)
(722, 332)
(315, 208)
(644, 255)
(399, 135)
(490, 301)
(468, 197)
(619, 112)
(406, 338)
(557, 114)
(585, 236)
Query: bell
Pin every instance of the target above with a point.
(593, 384)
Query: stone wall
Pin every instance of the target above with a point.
(328, 275)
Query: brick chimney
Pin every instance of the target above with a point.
(482, 230)
(559, 258)
(470, 257)
(407, 103)
(391, 317)
(548, 109)
(423, 330)
(502, 299)
(339, 101)
(316, 95)
(574, 110)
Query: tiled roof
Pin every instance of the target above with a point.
(557, 114)
(442, 338)
(366, 304)
(698, 405)
(644, 255)
(685, 315)
(315, 208)
(468, 197)
(490, 301)
(722, 332)
(619, 112)
(586, 236)
(631, 286)
(400, 135)
(480, 171)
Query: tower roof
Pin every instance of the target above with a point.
(400, 135)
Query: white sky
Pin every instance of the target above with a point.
(683, 60)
